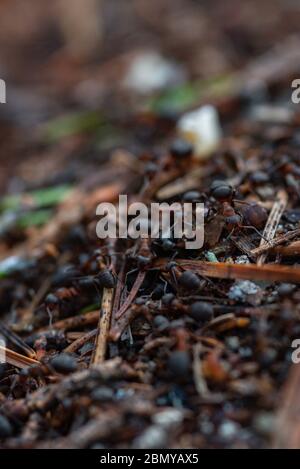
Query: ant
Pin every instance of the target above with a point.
(252, 214)
(105, 278)
(54, 301)
(186, 279)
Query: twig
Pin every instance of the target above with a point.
(226, 322)
(17, 341)
(120, 325)
(43, 397)
(96, 429)
(163, 178)
(78, 343)
(103, 327)
(157, 342)
(38, 297)
(291, 250)
(133, 292)
(244, 244)
(275, 242)
(272, 223)
(119, 292)
(16, 359)
(181, 185)
(75, 321)
(268, 272)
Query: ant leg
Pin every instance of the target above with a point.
(50, 316)
(130, 272)
(241, 202)
(165, 284)
(256, 231)
(14, 383)
(173, 277)
(174, 255)
(127, 274)
(115, 275)
(230, 234)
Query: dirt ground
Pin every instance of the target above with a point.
(132, 344)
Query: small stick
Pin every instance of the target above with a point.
(157, 342)
(267, 272)
(96, 429)
(75, 321)
(291, 250)
(103, 327)
(119, 292)
(74, 335)
(163, 178)
(181, 185)
(244, 244)
(119, 326)
(275, 242)
(38, 297)
(226, 322)
(78, 343)
(16, 359)
(17, 341)
(133, 292)
(272, 223)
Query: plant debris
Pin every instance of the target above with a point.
(140, 342)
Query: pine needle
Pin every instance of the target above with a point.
(272, 224)
(103, 327)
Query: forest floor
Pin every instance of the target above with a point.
(145, 344)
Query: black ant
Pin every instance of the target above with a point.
(186, 279)
(253, 214)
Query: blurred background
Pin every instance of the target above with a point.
(111, 56)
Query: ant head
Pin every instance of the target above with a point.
(221, 191)
(171, 265)
(143, 261)
(234, 219)
(51, 300)
(106, 279)
(181, 149)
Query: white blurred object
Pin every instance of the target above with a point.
(202, 128)
(150, 72)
